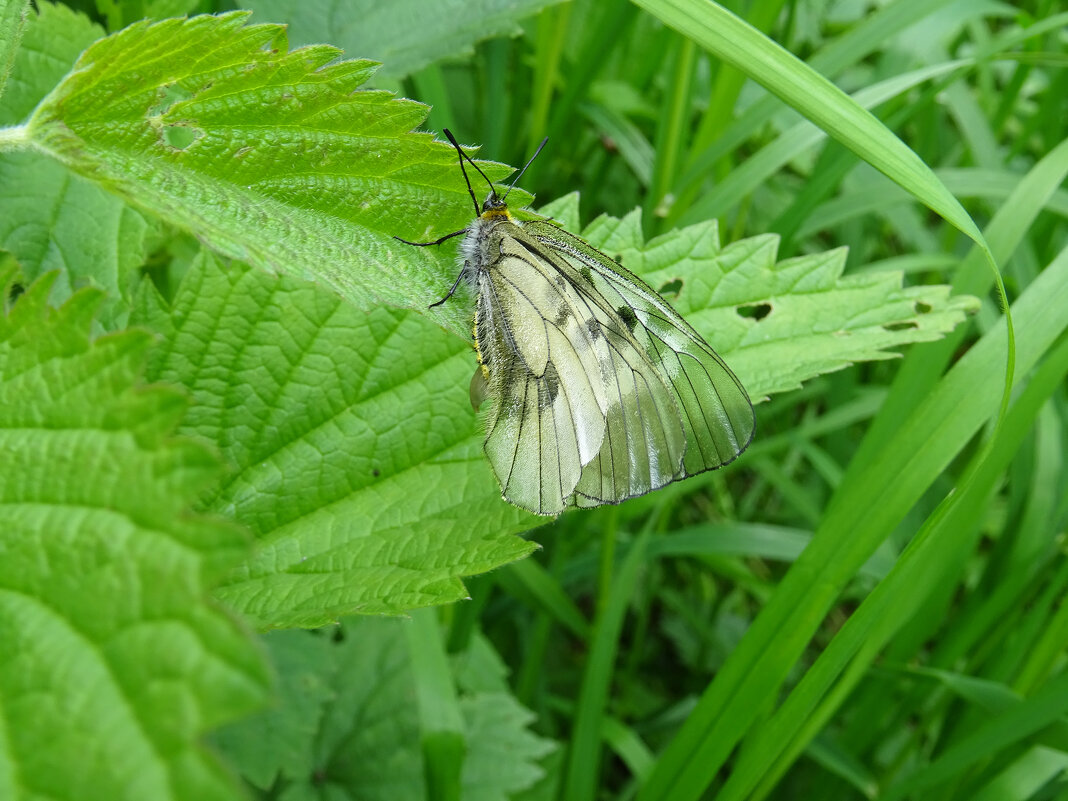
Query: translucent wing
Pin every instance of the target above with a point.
(578, 405)
(715, 410)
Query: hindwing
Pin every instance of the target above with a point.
(715, 410)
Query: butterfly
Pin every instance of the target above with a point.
(600, 391)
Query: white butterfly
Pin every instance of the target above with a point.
(600, 390)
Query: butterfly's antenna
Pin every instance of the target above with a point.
(531, 161)
(472, 162)
(467, 180)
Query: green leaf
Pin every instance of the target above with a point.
(12, 24)
(279, 742)
(367, 741)
(266, 155)
(51, 219)
(777, 324)
(354, 456)
(114, 660)
(505, 760)
(405, 35)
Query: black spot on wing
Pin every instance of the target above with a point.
(548, 387)
(629, 318)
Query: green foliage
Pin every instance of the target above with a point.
(115, 660)
(51, 219)
(345, 718)
(362, 481)
(385, 31)
(276, 424)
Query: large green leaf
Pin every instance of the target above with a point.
(267, 155)
(353, 451)
(114, 660)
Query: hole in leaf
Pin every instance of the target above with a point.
(900, 326)
(754, 311)
(923, 308)
(671, 288)
(168, 97)
(180, 136)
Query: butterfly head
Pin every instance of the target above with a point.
(494, 207)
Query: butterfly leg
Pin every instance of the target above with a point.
(445, 238)
(455, 284)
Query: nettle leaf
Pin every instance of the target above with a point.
(280, 741)
(405, 35)
(355, 457)
(362, 737)
(776, 324)
(114, 661)
(50, 218)
(269, 156)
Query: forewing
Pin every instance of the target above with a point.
(715, 410)
(545, 423)
(599, 421)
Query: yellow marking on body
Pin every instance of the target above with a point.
(496, 214)
(478, 352)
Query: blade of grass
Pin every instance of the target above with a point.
(430, 89)
(628, 137)
(497, 100)
(729, 82)
(671, 131)
(988, 184)
(845, 51)
(924, 365)
(584, 759)
(610, 26)
(548, 52)
(1026, 777)
(749, 175)
(528, 579)
(440, 721)
(864, 510)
